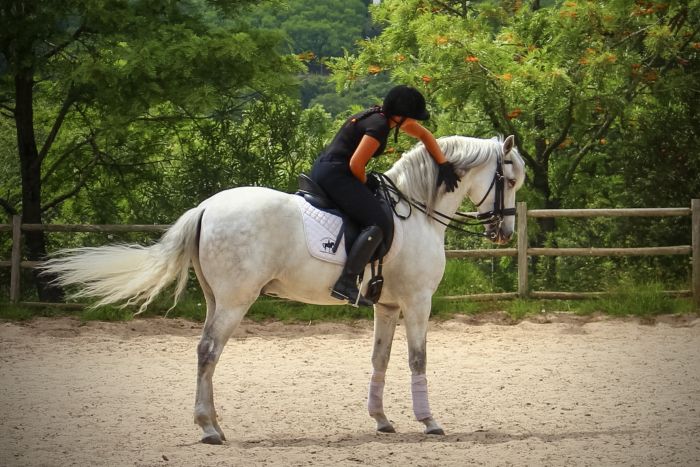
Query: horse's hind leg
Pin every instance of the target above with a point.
(217, 330)
(385, 319)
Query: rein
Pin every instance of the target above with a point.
(494, 216)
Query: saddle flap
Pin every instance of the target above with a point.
(317, 197)
(313, 193)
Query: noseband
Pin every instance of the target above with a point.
(493, 217)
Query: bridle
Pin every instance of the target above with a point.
(495, 216)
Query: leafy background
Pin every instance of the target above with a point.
(133, 111)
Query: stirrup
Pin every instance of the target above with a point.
(357, 302)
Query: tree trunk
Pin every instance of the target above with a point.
(30, 168)
(545, 266)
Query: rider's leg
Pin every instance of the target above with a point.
(346, 288)
(358, 203)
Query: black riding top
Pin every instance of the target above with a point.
(348, 137)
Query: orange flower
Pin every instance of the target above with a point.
(650, 76)
(471, 59)
(374, 69)
(400, 57)
(603, 141)
(442, 40)
(515, 113)
(506, 77)
(306, 56)
(583, 61)
(426, 79)
(696, 45)
(611, 58)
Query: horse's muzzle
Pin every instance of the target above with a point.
(497, 236)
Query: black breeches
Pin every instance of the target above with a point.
(350, 194)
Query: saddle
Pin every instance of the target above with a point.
(317, 197)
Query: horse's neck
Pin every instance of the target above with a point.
(449, 203)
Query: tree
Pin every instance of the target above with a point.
(566, 80)
(325, 29)
(82, 78)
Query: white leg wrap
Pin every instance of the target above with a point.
(419, 390)
(375, 400)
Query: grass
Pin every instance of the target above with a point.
(626, 299)
(642, 300)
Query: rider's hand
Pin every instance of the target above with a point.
(373, 181)
(448, 176)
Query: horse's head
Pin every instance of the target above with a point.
(492, 190)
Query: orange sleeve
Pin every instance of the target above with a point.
(415, 129)
(364, 152)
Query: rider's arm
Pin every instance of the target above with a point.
(415, 129)
(364, 152)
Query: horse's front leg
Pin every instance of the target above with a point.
(385, 318)
(416, 320)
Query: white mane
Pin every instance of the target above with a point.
(415, 174)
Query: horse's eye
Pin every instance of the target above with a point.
(512, 182)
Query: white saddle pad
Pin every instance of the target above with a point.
(321, 229)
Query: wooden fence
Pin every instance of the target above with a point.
(522, 251)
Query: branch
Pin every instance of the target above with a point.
(58, 48)
(62, 158)
(568, 177)
(9, 109)
(462, 14)
(63, 111)
(9, 209)
(61, 198)
(564, 132)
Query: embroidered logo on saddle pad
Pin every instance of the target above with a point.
(322, 230)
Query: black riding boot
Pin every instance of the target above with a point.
(360, 254)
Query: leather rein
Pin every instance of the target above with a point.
(495, 216)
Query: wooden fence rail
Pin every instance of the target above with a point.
(522, 252)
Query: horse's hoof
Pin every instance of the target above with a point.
(435, 431)
(212, 439)
(386, 429)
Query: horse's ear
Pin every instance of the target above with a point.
(508, 144)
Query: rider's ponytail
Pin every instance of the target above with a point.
(375, 109)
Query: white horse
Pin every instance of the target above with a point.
(249, 241)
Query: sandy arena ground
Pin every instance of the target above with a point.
(568, 392)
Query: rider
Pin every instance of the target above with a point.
(340, 171)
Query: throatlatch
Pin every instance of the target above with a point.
(347, 287)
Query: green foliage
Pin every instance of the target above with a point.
(640, 299)
(467, 276)
(323, 28)
(117, 86)
(16, 313)
(601, 96)
(519, 309)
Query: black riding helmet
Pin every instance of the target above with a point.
(405, 101)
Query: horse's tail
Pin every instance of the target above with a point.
(130, 274)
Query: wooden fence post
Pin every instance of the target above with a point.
(521, 217)
(695, 286)
(16, 258)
